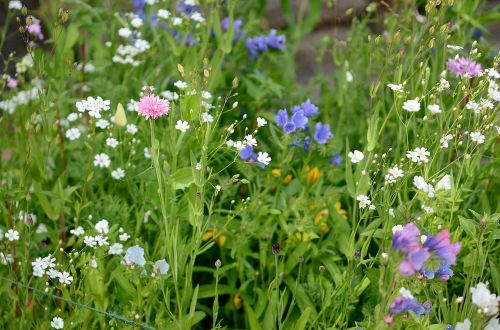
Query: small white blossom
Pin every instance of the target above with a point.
(16, 5)
(206, 117)
(393, 174)
(124, 32)
(444, 183)
(162, 13)
(116, 248)
(124, 237)
(434, 108)
(131, 128)
(102, 226)
(112, 142)
(263, 158)
(396, 88)
(445, 139)
(102, 160)
(12, 235)
(484, 299)
(118, 174)
(412, 105)
(182, 126)
(420, 184)
(477, 137)
(180, 84)
(57, 323)
(261, 122)
(419, 155)
(73, 134)
(364, 201)
(78, 231)
(356, 156)
(65, 278)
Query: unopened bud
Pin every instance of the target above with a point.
(218, 263)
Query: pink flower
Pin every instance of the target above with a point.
(151, 106)
(464, 67)
(12, 82)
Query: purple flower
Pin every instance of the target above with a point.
(336, 159)
(413, 262)
(309, 108)
(407, 239)
(298, 121)
(237, 24)
(186, 9)
(247, 154)
(256, 46)
(139, 7)
(275, 41)
(442, 246)
(464, 67)
(401, 305)
(322, 133)
(307, 144)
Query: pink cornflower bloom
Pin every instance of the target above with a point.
(151, 106)
(464, 67)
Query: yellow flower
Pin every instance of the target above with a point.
(320, 220)
(286, 180)
(342, 212)
(237, 301)
(120, 117)
(219, 239)
(312, 175)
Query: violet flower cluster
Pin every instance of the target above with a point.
(261, 44)
(432, 258)
(464, 67)
(299, 119)
(404, 304)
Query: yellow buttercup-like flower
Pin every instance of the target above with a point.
(342, 212)
(237, 301)
(220, 239)
(320, 220)
(286, 180)
(312, 175)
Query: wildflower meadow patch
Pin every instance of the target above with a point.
(166, 165)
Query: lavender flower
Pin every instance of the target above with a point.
(247, 154)
(298, 121)
(260, 44)
(322, 133)
(275, 41)
(401, 305)
(336, 159)
(464, 67)
(307, 144)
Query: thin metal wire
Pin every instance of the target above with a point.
(69, 301)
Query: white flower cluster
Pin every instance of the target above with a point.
(393, 174)
(21, 98)
(419, 155)
(47, 266)
(443, 184)
(93, 106)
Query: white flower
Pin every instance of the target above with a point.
(102, 123)
(124, 237)
(261, 122)
(171, 96)
(93, 263)
(65, 278)
(132, 129)
(135, 255)
(198, 166)
(206, 117)
(443, 84)
(176, 21)
(412, 105)
(73, 134)
(348, 77)
(492, 73)
(356, 156)
(41, 229)
(419, 155)
(182, 126)
(116, 248)
(102, 160)
(434, 108)
(405, 293)
(112, 142)
(420, 184)
(393, 174)
(89, 241)
(444, 183)
(162, 13)
(78, 231)
(136, 22)
(161, 266)
(477, 137)
(206, 95)
(102, 226)
(72, 116)
(133, 106)
(147, 154)
(428, 209)
(396, 88)
(454, 47)
(180, 84)
(465, 325)
(494, 94)
(397, 228)
(118, 174)
(250, 140)
(12, 235)
(57, 323)
(17, 5)
(484, 299)
(196, 16)
(445, 139)
(124, 32)
(101, 240)
(364, 201)
(493, 324)
(474, 106)
(263, 158)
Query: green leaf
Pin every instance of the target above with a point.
(182, 178)
(468, 226)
